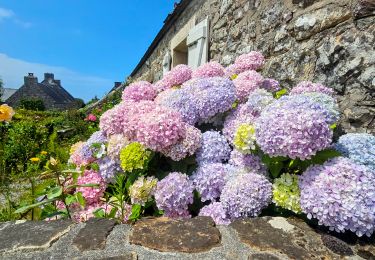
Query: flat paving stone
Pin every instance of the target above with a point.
(93, 235)
(290, 237)
(31, 235)
(170, 235)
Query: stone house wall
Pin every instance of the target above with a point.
(330, 42)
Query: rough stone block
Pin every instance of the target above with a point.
(170, 235)
(31, 235)
(94, 235)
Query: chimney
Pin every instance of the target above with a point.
(48, 76)
(57, 81)
(117, 84)
(30, 80)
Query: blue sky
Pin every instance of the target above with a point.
(88, 44)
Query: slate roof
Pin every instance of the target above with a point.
(7, 92)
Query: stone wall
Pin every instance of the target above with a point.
(330, 42)
(262, 238)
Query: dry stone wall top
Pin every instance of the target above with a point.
(270, 238)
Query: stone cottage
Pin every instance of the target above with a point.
(325, 41)
(50, 91)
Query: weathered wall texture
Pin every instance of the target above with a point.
(330, 42)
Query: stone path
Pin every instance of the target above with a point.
(263, 238)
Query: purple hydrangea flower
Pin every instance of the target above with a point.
(341, 195)
(216, 211)
(214, 148)
(173, 195)
(271, 85)
(358, 147)
(209, 180)
(246, 195)
(293, 132)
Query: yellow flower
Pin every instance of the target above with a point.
(35, 159)
(6, 113)
(43, 153)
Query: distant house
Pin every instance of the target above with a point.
(50, 91)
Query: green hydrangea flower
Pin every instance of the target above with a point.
(134, 157)
(142, 190)
(244, 139)
(286, 193)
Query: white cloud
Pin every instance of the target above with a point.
(9, 14)
(5, 13)
(78, 84)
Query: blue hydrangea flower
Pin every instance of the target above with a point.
(358, 147)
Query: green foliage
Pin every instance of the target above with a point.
(32, 104)
(278, 165)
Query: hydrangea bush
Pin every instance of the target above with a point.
(225, 143)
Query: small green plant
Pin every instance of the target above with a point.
(57, 194)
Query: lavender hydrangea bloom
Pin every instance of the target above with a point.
(341, 195)
(250, 162)
(214, 148)
(293, 132)
(173, 195)
(307, 102)
(358, 147)
(97, 138)
(246, 195)
(258, 100)
(308, 87)
(216, 211)
(209, 180)
(201, 99)
(108, 168)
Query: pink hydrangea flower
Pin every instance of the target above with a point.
(91, 118)
(138, 91)
(210, 69)
(247, 82)
(92, 195)
(250, 61)
(178, 75)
